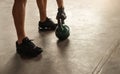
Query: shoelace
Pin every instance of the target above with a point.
(30, 43)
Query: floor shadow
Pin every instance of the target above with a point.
(45, 33)
(44, 38)
(12, 66)
(63, 46)
(37, 58)
(16, 64)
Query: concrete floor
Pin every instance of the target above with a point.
(92, 48)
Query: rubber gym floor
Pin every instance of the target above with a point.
(92, 48)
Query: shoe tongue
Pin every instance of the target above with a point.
(25, 39)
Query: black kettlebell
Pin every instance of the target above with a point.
(62, 31)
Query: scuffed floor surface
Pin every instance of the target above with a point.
(92, 48)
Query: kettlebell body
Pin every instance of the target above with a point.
(62, 32)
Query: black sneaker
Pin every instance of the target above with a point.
(47, 25)
(27, 48)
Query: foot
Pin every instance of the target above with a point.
(27, 48)
(48, 25)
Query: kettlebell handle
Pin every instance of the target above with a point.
(60, 22)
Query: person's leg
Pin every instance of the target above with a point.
(45, 23)
(19, 17)
(60, 3)
(24, 46)
(45, 3)
(42, 9)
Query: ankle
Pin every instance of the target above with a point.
(20, 40)
(43, 19)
